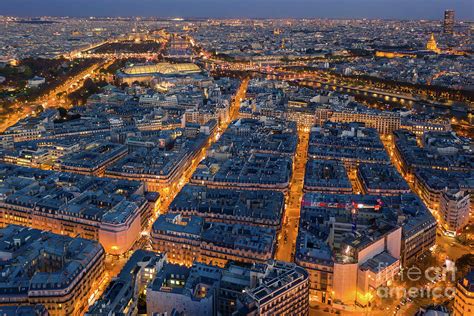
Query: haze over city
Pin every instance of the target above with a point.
(387, 9)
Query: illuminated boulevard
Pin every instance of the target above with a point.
(289, 231)
(50, 100)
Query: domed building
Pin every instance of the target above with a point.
(432, 45)
(162, 68)
(148, 72)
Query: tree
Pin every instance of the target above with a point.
(28, 73)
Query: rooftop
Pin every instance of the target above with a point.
(258, 207)
(162, 68)
(157, 153)
(381, 177)
(326, 175)
(346, 141)
(59, 193)
(25, 252)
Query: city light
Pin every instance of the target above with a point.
(201, 166)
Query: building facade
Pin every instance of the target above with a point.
(464, 297)
(41, 268)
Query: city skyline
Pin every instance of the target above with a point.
(371, 9)
(183, 165)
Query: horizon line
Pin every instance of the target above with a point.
(185, 18)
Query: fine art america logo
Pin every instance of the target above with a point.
(439, 283)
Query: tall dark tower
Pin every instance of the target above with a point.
(448, 26)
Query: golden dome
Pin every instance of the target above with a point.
(432, 45)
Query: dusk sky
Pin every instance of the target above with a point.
(398, 9)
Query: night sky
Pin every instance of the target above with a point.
(397, 9)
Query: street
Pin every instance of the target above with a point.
(289, 231)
